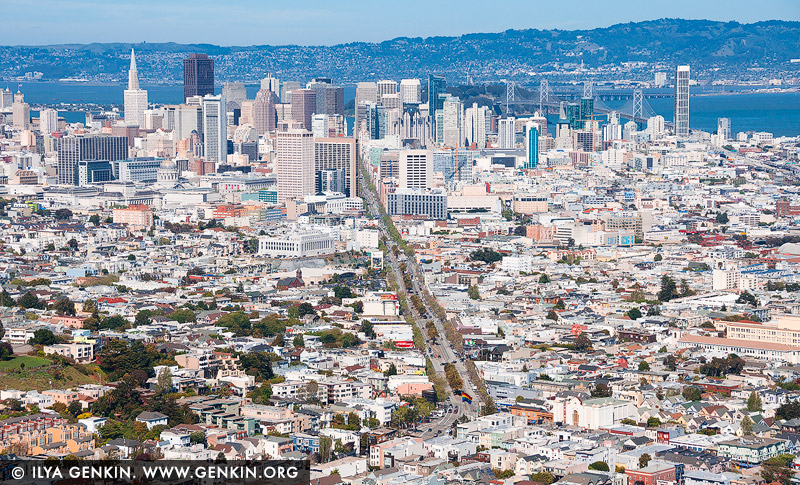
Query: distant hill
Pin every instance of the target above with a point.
(726, 49)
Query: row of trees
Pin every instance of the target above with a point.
(453, 377)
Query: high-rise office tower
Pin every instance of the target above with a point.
(531, 145)
(682, 102)
(215, 129)
(72, 149)
(416, 169)
(436, 86)
(6, 98)
(337, 154)
(660, 79)
(198, 75)
(724, 128)
(304, 104)
(235, 94)
(376, 121)
(135, 98)
(475, 121)
(656, 127)
(410, 91)
(386, 87)
(264, 114)
(452, 116)
(271, 84)
(319, 125)
(48, 121)
(294, 164)
(330, 180)
(506, 133)
(183, 119)
(366, 92)
(20, 112)
(286, 90)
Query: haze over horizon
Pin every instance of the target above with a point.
(249, 23)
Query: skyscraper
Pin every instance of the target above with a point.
(294, 164)
(286, 90)
(270, 83)
(198, 75)
(531, 145)
(452, 115)
(724, 128)
(366, 92)
(436, 86)
(304, 104)
(410, 91)
(135, 98)
(235, 94)
(386, 87)
(20, 112)
(72, 149)
(475, 121)
(337, 154)
(416, 169)
(506, 133)
(215, 129)
(682, 102)
(264, 115)
(48, 121)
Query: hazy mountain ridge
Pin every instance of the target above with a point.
(726, 47)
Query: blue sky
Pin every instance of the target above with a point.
(312, 22)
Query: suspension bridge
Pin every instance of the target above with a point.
(548, 101)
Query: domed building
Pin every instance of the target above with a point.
(168, 173)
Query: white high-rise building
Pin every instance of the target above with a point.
(452, 116)
(48, 121)
(386, 87)
(294, 164)
(319, 126)
(506, 133)
(271, 84)
(366, 94)
(215, 129)
(416, 169)
(476, 119)
(410, 90)
(135, 98)
(682, 102)
(656, 127)
(6, 98)
(661, 79)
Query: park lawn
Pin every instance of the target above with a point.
(42, 379)
(30, 362)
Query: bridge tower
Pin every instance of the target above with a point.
(544, 97)
(638, 97)
(509, 94)
(588, 91)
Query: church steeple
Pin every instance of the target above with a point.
(133, 74)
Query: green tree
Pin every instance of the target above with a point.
(75, 408)
(600, 466)
(43, 336)
(119, 357)
(64, 306)
(653, 422)
(560, 305)
(657, 258)
(722, 218)
(544, 278)
(473, 292)
(644, 459)
(367, 329)
(644, 366)
(545, 478)
(747, 298)
(298, 341)
(778, 469)
(552, 315)
(754, 402)
(601, 390)
(94, 219)
(29, 300)
(692, 393)
(669, 289)
(582, 342)
(747, 426)
(183, 315)
(392, 370)
(634, 314)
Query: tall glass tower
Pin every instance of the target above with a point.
(682, 102)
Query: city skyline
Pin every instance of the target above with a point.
(318, 24)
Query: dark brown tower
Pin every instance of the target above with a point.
(198, 75)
